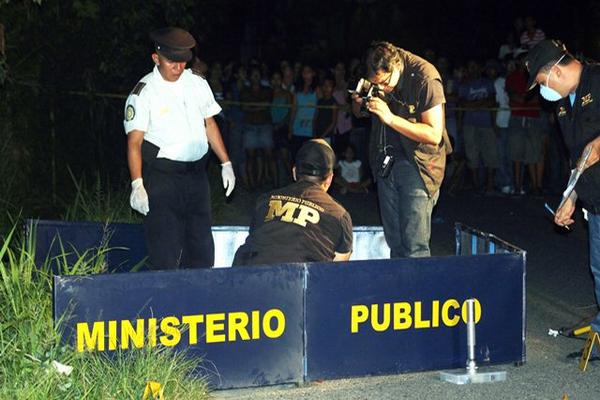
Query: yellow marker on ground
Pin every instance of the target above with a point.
(153, 389)
(582, 330)
(593, 339)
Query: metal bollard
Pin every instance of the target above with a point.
(471, 364)
(471, 375)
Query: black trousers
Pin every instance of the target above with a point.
(178, 226)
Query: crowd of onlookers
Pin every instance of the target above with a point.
(505, 137)
(269, 111)
(506, 133)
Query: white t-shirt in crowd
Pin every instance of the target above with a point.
(503, 115)
(350, 170)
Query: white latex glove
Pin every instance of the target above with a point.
(228, 177)
(139, 197)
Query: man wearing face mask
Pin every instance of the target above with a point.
(169, 121)
(576, 89)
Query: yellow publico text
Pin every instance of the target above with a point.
(415, 315)
(170, 330)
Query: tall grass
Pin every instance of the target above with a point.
(96, 202)
(29, 342)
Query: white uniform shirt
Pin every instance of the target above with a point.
(172, 114)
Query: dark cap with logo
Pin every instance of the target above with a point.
(174, 44)
(315, 158)
(543, 53)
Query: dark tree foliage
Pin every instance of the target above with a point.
(56, 56)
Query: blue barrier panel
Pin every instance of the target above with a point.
(126, 242)
(245, 325)
(391, 316)
(266, 325)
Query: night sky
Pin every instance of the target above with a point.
(322, 30)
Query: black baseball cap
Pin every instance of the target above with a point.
(173, 43)
(315, 158)
(541, 54)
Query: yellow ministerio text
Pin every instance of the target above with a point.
(171, 330)
(415, 315)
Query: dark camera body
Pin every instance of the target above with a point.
(366, 90)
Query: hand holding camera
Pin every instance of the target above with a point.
(380, 108)
(369, 96)
(364, 91)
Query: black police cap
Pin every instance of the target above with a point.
(174, 44)
(541, 54)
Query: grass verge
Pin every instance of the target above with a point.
(30, 343)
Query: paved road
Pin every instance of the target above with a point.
(559, 293)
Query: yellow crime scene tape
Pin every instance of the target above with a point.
(229, 103)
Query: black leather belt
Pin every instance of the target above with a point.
(179, 167)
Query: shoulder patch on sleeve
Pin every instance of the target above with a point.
(129, 113)
(138, 88)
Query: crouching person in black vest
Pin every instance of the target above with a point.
(300, 222)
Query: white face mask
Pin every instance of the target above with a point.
(547, 92)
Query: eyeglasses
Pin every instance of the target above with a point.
(385, 82)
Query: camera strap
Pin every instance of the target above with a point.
(383, 146)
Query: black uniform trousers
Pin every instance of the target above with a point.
(178, 225)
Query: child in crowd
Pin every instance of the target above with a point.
(326, 117)
(350, 176)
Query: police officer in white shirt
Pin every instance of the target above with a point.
(169, 124)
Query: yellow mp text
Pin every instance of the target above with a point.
(403, 315)
(292, 212)
(168, 331)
